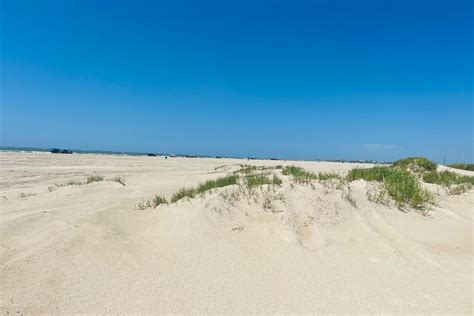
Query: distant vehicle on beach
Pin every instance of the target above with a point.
(61, 151)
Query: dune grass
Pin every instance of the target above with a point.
(183, 193)
(300, 175)
(69, 182)
(420, 164)
(254, 180)
(447, 178)
(118, 180)
(158, 200)
(248, 169)
(94, 178)
(204, 187)
(403, 186)
(377, 173)
(463, 166)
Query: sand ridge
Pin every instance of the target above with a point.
(86, 249)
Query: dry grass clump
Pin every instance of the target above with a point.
(23, 195)
(143, 204)
(153, 203)
(94, 178)
(118, 180)
(248, 169)
(90, 179)
(69, 182)
(458, 189)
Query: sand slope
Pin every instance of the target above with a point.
(86, 249)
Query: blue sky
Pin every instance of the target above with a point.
(290, 79)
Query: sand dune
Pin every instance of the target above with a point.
(87, 249)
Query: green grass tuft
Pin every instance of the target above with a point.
(204, 187)
(218, 183)
(293, 171)
(158, 200)
(371, 174)
(400, 184)
(302, 176)
(183, 193)
(254, 180)
(405, 189)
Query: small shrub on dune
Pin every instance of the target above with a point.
(416, 164)
(405, 189)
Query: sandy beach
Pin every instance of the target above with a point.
(88, 248)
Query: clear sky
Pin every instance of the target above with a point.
(290, 79)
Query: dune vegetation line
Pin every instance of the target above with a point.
(403, 182)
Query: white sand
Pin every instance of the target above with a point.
(85, 249)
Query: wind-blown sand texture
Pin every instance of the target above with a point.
(87, 249)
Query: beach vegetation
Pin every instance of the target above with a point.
(204, 187)
(118, 180)
(462, 166)
(94, 178)
(416, 164)
(400, 184)
(158, 200)
(260, 179)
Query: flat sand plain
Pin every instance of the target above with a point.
(87, 249)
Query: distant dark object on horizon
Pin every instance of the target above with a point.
(190, 156)
(273, 159)
(151, 155)
(61, 151)
(251, 158)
